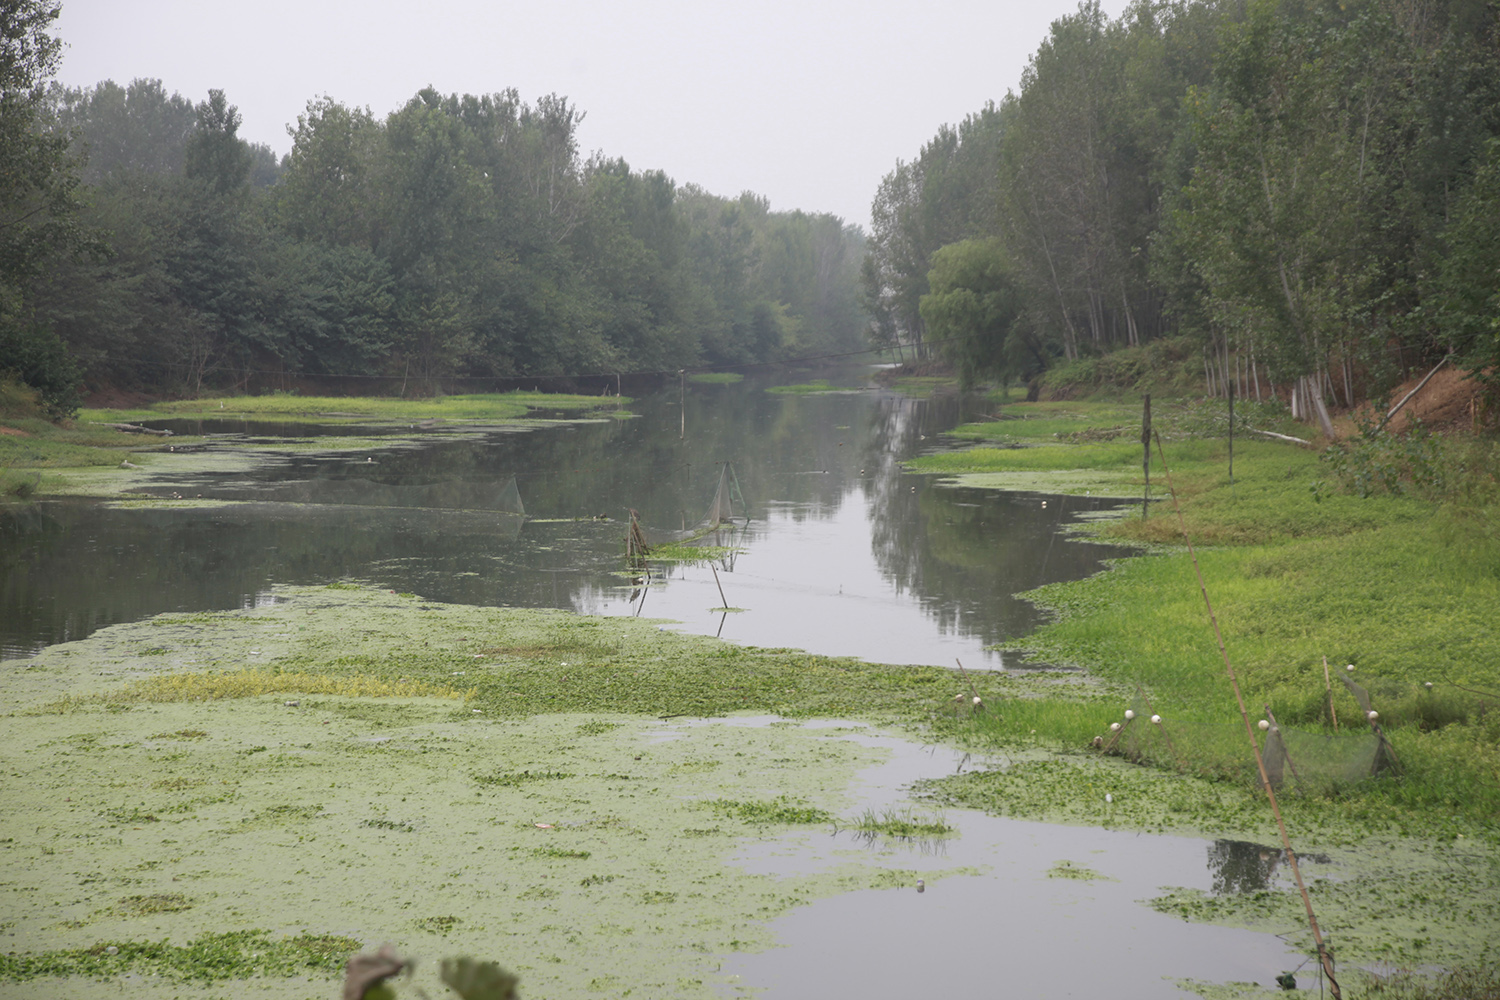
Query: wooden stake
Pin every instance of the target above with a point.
(1146, 456)
(720, 586)
(1328, 682)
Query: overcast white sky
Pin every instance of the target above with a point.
(807, 102)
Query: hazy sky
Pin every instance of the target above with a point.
(807, 102)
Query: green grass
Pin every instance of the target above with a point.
(783, 811)
(348, 409)
(30, 445)
(1087, 421)
(1406, 586)
(902, 824)
(922, 386)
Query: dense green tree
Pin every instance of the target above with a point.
(975, 313)
(328, 192)
(139, 127)
(215, 154)
(1465, 290)
(38, 199)
(948, 193)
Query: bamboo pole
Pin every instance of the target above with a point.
(725, 605)
(1286, 841)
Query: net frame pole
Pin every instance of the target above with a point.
(1265, 781)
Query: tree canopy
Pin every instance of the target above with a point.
(457, 236)
(1304, 188)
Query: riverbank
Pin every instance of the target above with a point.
(94, 454)
(1404, 585)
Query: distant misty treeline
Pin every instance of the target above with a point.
(1307, 190)
(459, 235)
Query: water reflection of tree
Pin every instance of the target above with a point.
(74, 567)
(966, 552)
(1240, 866)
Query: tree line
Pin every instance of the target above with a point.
(1306, 191)
(146, 244)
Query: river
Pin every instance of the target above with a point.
(843, 553)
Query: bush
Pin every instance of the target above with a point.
(37, 357)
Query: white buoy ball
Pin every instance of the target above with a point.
(1350, 668)
(978, 700)
(1129, 714)
(1373, 715)
(1264, 725)
(1156, 720)
(1108, 798)
(1428, 685)
(1114, 727)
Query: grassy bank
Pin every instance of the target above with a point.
(34, 451)
(1404, 585)
(468, 408)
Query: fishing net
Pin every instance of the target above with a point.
(1298, 760)
(719, 514)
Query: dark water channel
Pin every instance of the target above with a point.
(842, 554)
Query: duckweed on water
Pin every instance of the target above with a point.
(359, 815)
(207, 958)
(778, 810)
(363, 816)
(1080, 873)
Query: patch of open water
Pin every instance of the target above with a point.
(843, 553)
(1027, 926)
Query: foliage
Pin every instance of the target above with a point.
(1303, 195)
(459, 235)
(38, 358)
(1466, 286)
(210, 958)
(972, 310)
(945, 195)
(1378, 460)
(38, 203)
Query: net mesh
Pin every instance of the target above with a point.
(719, 514)
(1312, 762)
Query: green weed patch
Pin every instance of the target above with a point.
(210, 958)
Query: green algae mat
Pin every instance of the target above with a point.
(211, 805)
(198, 799)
